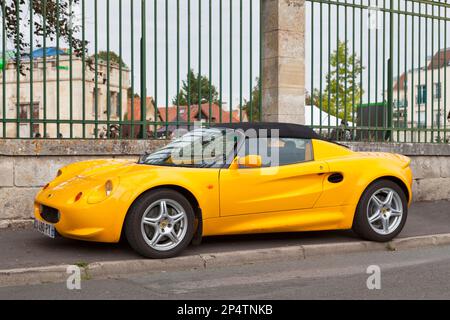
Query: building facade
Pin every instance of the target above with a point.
(422, 100)
(61, 99)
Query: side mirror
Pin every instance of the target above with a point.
(250, 161)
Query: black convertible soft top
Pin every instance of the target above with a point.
(285, 130)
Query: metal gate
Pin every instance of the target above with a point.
(378, 69)
(127, 68)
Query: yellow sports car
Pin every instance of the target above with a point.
(228, 179)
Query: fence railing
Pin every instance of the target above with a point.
(378, 69)
(126, 68)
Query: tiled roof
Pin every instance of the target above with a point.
(137, 108)
(440, 59)
(195, 114)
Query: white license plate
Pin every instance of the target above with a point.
(45, 228)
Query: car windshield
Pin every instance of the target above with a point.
(200, 148)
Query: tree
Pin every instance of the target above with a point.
(308, 100)
(191, 92)
(48, 16)
(342, 84)
(251, 108)
(130, 94)
(114, 58)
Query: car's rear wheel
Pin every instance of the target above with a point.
(382, 212)
(160, 224)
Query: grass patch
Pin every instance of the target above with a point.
(82, 264)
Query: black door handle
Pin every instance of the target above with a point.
(336, 178)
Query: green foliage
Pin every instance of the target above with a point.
(130, 93)
(342, 84)
(190, 93)
(252, 109)
(56, 13)
(114, 58)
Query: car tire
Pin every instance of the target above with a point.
(382, 212)
(152, 228)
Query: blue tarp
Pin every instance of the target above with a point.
(39, 53)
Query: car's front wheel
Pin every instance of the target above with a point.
(381, 212)
(160, 224)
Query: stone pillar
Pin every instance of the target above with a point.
(283, 61)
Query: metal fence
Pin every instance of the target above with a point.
(126, 68)
(377, 69)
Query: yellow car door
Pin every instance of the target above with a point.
(271, 189)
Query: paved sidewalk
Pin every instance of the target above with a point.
(27, 248)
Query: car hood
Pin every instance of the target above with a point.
(98, 169)
(87, 177)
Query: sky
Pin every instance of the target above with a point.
(414, 39)
(158, 47)
(165, 52)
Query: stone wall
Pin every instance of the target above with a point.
(27, 165)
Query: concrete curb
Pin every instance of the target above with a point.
(102, 270)
(16, 224)
(30, 276)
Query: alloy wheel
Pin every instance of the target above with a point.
(164, 224)
(385, 211)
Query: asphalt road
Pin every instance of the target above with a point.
(409, 274)
(27, 248)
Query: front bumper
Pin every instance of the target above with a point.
(101, 222)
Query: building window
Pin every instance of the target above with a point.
(401, 104)
(118, 107)
(421, 94)
(25, 115)
(421, 121)
(437, 90)
(399, 117)
(96, 93)
(25, 109)
(114, 104)
(437, 118)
